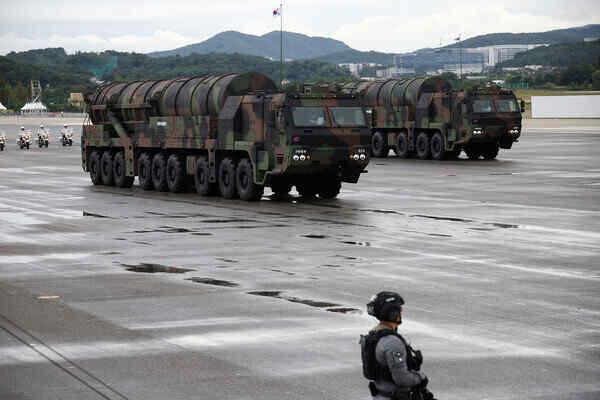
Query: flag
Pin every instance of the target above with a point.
(277, 12)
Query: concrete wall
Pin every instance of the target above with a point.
(565, 106)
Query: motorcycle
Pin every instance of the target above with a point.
(43, 139)
(24, 140)
(67, 138)
(2, 141)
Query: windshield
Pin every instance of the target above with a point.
(506, 105)
(348, 116)
(309, 116)
(482, 106)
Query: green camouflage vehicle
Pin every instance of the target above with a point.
(426, 118)
(231, 134)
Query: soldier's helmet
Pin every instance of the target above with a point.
(22, 128)
(386, 306)
(41, 126)
(66, 126)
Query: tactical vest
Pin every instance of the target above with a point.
(374, 371)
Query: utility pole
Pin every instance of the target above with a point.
(281, 45)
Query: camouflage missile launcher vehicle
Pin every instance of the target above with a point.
(231, 134)
(427, 119)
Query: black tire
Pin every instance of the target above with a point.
(204, 186)
(227, 178)
(176, 174)
(144, 165)
(490, 151)
(244, 179)
(159, 173)
(280, 187)
(379, 144)
(401, 147)
(453, 154)
(94, 167)
(106, 168)
(307, 189)
(119, 171)
(329, 188)
(438, 146)
(423, 146)
(473, 152)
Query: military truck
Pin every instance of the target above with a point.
(231, 134)
(427, 119)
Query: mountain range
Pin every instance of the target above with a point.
(298, 46)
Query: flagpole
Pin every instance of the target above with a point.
(281, 45)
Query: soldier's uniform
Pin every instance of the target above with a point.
(391, 354)
(389, 363)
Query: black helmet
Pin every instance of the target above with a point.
(386, 306)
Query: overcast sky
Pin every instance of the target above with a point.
(393, 26)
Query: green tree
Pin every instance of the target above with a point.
(596, 80)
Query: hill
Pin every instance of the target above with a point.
(549, 37)
(296, 46)
(558, 55)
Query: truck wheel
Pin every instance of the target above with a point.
(401, 148)
(106, 169)
(379, 144)
(227, 178)
(453, 154)
(202, 178)
(280, 187)
(246, 187)
(438, 147)
(473, 152)
(306, 189)
(119, 171)
(423, 146)
(176, 174)
(490, 151)
(145, 171)
(159, 173)
(95, 174)
(329, 188)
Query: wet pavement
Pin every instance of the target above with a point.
(110, 293)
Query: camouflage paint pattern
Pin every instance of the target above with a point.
(232, 115)
(416, 104)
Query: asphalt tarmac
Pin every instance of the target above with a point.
(110, 293)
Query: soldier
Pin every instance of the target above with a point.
(389, 363)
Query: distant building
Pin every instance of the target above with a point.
(493, 55)
(466, 69)
(76, 100)
(394, 72)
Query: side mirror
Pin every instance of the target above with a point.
(522, 106)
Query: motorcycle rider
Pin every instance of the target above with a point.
(67, 135)
(389, 362)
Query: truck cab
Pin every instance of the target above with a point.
(491, 119)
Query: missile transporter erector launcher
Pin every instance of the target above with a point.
(427, 119)
(231, 134)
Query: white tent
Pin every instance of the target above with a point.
(34, 107)
(2, 108)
